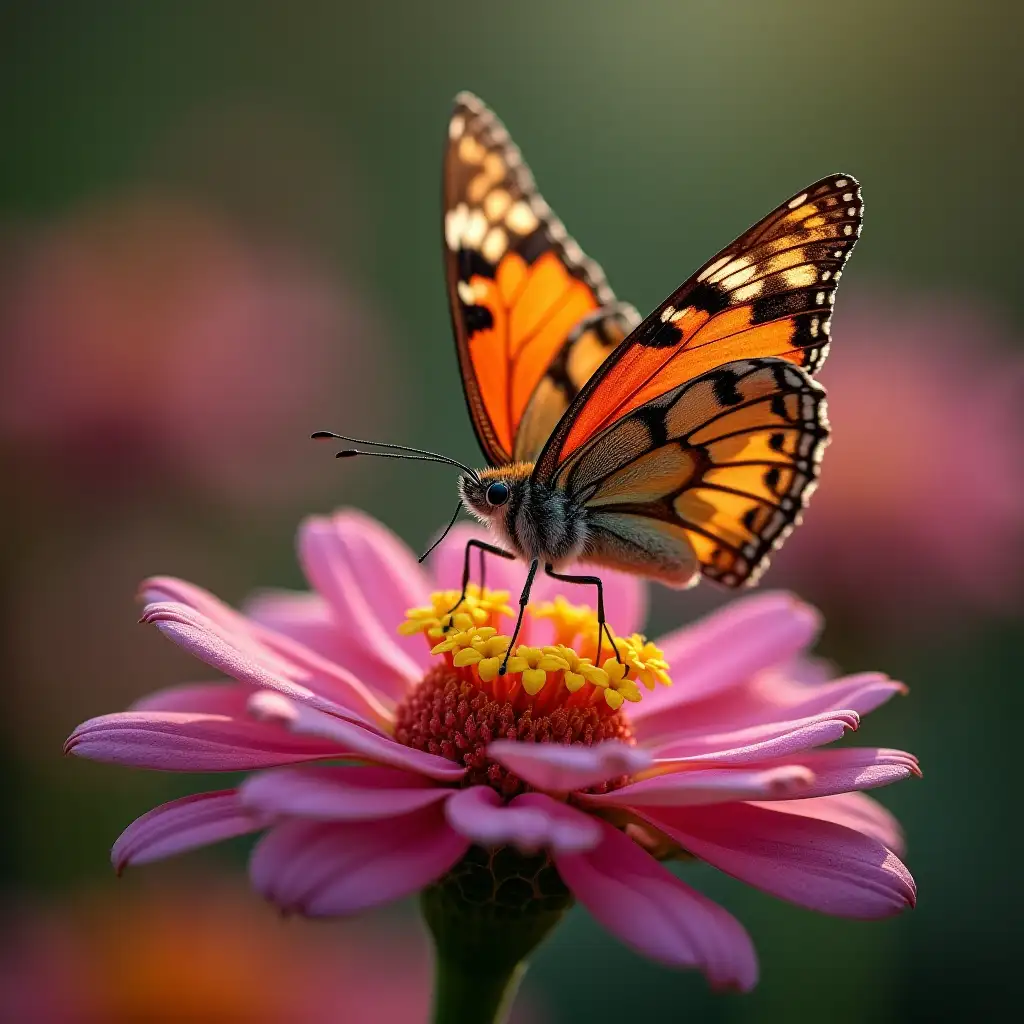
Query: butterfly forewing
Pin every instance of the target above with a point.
(711, 475)
(518, 285)
(769, 293)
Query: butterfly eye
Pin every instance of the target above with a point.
(497, 493)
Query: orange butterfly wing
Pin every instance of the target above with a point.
(517, 287)
(769, 293)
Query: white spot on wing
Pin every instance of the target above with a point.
(842, 182)
(800, 277)
(741, 276)
(466, 293)
(455, 225)
(748, 291)
(717, 265)
(456, 127)
(494, 245)
(496, 203)
(475, 229)
(573, 253)
(667, 313)
(521, 219)
(798, 201)
(731, 269)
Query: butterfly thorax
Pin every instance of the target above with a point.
(528, 516)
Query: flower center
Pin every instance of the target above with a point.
(553, 693)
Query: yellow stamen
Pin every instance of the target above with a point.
(535, 664)
(563, 673)
(578, 670)
(481, 646)
(569, 620)
(480, 607)
(620, 683)
(646, 660)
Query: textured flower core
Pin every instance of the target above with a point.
(551, 694)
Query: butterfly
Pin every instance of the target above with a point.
(678, 446)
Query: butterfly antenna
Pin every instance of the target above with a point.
(420, 454)
(451, 523)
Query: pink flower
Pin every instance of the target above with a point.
(194, 949)
(921, 512)
(594, 773)
(146, 338)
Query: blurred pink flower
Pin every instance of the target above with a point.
(722, 766)
(145, 338)
(196, 951)
(920, 511)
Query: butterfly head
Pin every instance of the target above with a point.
(494, 495)
(489, 494)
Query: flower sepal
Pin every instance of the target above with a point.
(486, 917)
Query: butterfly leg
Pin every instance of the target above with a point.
(602, 625)
(484, 548)
(524, 600)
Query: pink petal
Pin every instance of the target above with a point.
(531, 822)
(326, 676)
(176, 741)
(854, 810)
(561, 769)
(309, 621)
(208, 698)
(241, 656)
(726, 648)
(769, 696)
(758, 743)
(326, 869)
(353, 739)
(181, 825)
(808, 861)
(339, 793)
(648, 908)
(852, 768)
(373, 641)
(304, 617)
(383, 567)
(714, 786)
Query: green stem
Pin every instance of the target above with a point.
(469, 994)
(487, 916)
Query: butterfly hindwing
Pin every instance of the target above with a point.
(710, 476)
(769, 293)
(517, 286)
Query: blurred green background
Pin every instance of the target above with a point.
(220, 229)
